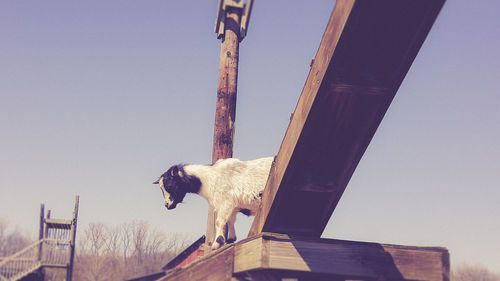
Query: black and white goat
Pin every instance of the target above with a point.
(230, 186)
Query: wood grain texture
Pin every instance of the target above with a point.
(264, 275)
(253, 253)
(217, 266)
(366, 50)
(270, 255)
(225, 113)
(316, 74)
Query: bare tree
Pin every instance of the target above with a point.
(126, 230)
(12, 241)
(466, 272)
(139, 239)
(112, 245)
(97, 234)
(118, 252)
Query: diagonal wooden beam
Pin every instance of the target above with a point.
(366, 51)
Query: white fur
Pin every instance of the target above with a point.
(229, 186)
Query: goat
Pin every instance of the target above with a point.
(230, 186)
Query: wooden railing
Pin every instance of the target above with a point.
(45, 252)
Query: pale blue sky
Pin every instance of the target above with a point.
(98, 98)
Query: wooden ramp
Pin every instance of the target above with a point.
(366, 51)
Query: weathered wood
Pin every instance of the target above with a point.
(41, 230)
(366, 51)
(269, 256)
(264, 275)
(226, 88)
(42, 217)
(253, 252)
(217, 266)
(74, 223)
(225, 114)
(341, 259)
(57, 223)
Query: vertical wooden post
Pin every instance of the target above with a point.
(69, 271)
(46, 231)
(41, 232)
(42, 217)
(226, 99)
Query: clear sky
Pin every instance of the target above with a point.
(98, 98)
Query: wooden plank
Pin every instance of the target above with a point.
(343, 259)
(253, 252)
(366, 51)
(55, 222)
(217, 266)
(264, 275)
(58, 224)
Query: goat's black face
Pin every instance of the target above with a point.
(172, 184)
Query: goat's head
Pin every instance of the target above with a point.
(174, 185)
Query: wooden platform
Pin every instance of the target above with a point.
(279, 256)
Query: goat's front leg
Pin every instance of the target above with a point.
(220, 223)
(231, 232)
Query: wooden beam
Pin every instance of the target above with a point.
(57, 223)
(329, 258)
(263, 275)
(366, 50)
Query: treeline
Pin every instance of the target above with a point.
(118, 252)
(108, 252)
(12, 240)
(467, 272)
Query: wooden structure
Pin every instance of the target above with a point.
(54, 249)
(366, 50)
(190, 254)
(269, 256)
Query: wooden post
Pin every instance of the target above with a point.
(46, 231)
(226, 99)
(69, 271)
(41, 232)
(42, 217)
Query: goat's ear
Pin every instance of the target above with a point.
(175, 172)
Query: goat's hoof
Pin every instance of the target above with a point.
(218, 242)
(231, 240)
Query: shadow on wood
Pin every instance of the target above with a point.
(270, 255)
